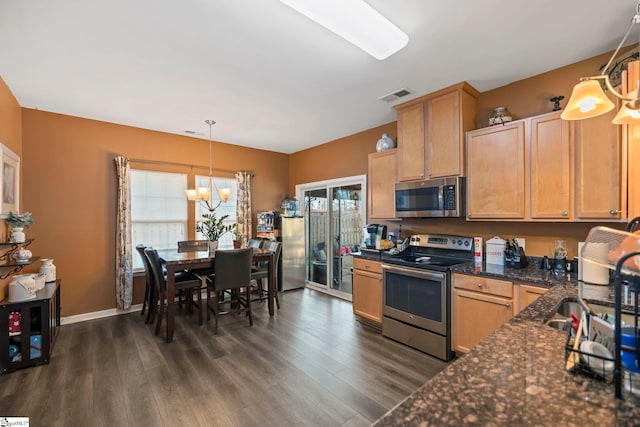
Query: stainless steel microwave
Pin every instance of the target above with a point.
(431, 198)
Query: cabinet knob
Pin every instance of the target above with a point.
(565, 213)
(366, 267)
(507, 305)
(614, 212)
(479, 285)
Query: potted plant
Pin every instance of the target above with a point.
(238, 237)
(213, 228)
(18, 222)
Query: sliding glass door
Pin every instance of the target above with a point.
(334, 218)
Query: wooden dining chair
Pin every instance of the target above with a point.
(255, 243)
(186, 282)
(261, 272)
(148, 287)
(231, 284)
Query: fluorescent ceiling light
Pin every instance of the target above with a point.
(356, 22)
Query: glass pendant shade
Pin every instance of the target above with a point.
(587, 100)
(224, 193)
(203, 192)
(191, 194)
(626, 116)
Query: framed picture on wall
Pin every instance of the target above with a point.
(9, 180)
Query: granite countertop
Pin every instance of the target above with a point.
(517, 375)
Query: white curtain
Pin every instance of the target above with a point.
(243, 204)
(124, 268)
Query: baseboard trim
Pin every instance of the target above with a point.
(98, 315)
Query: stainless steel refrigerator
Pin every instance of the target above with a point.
(292, 236)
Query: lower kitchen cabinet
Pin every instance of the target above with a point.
(526, 294)
(480, 306)
(367, 290)
(28, 329)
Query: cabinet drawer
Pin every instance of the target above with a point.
(367, 265)
(483, 284)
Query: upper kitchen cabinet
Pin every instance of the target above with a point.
(411, 151)
(599, 194)
(496, 172)
(381, 185)
(431, 133)
(550, 163)
(546, 169)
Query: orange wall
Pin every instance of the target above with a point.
(530, 97)
(337, 159)
(70, 186)
(11, 136)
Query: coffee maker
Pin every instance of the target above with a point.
(374, 233)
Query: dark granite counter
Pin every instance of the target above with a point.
(517, 375)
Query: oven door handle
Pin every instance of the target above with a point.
(415, 272)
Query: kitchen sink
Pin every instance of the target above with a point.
(562, 320)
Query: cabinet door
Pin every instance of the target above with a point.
(526, 295)
(443, 136)
(550, 163)
(598, 169)
(411, 142)
(495, 172)
(475, 316)
(633, 149)
(381, 185)
(367, 295)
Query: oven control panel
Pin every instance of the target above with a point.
(442, 241)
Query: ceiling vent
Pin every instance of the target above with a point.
(396, 95)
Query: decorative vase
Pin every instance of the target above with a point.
(213, 245)
(48, 269)
(17, 235)
(237, 244)
(22, 255)
(385, 143)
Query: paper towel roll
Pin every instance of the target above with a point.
(589, 272)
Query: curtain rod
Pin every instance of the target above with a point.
(160, 162)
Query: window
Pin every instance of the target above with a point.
(226, 208)
(158, 210)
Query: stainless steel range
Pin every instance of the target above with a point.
(417, 292)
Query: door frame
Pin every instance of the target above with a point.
(327, 184)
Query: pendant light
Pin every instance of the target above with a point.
(589, 100)
(203, 194)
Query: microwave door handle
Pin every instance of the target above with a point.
(441, 197)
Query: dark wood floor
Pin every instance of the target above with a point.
(310, 365)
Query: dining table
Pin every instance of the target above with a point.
(174, 261)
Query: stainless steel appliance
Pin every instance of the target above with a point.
(417, 292)
(292, 237)
(374, 233)
(437, 198)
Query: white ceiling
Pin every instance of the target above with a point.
(270, 77)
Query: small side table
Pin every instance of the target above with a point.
(28, 329)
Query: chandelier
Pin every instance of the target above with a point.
(203, 194)
(589, 100)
